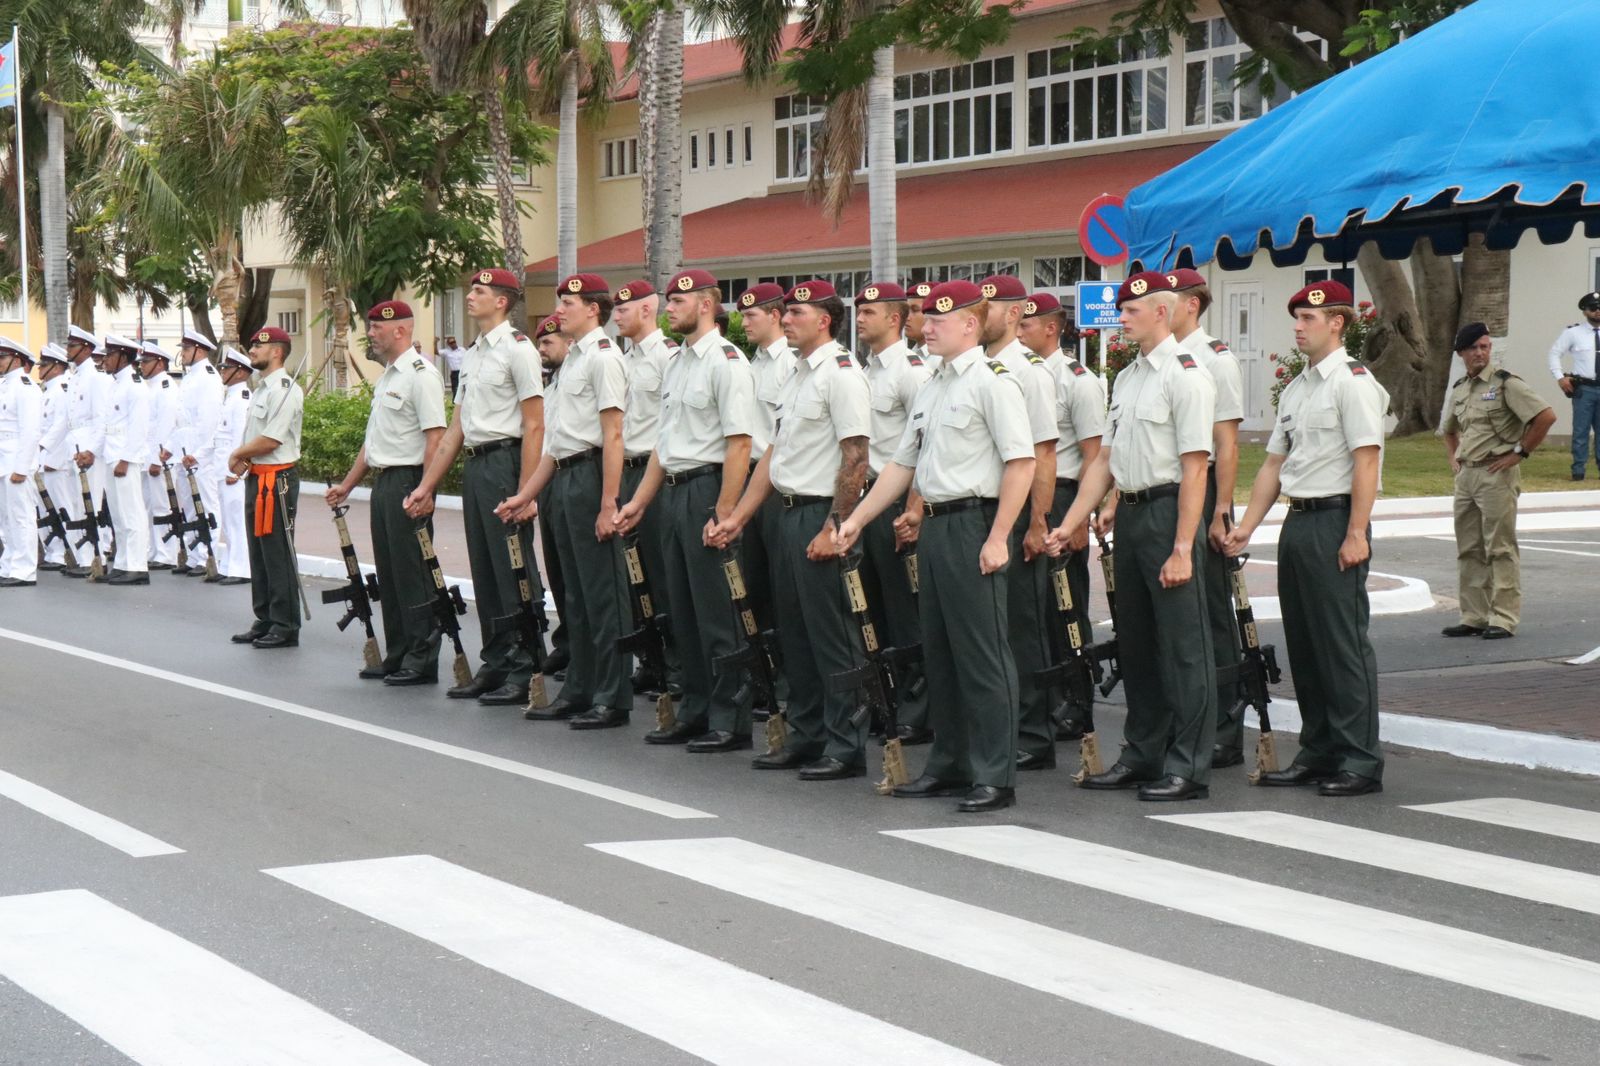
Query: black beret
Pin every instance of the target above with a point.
(1470, 334)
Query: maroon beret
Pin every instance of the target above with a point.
(691, 281)
(584, 285)
(1040, 303)
(1321, 294)
(269, 335)
(919, 289)
(634, 290)
(1003, 287)
(1142, 284)
(951, 296)
(497, 278)
(1185, 278)
(810, 292)
(766, 292)
(547, 325)
(389, 310)
(881, 291)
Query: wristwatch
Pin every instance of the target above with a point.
(1520, 450)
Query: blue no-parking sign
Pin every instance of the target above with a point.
(1097, 305)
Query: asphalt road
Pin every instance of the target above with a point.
(326, 871)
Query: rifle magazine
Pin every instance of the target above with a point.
(369, 654)
(1266, 757)
(894, 767)
(1089, 757)
(777, 733)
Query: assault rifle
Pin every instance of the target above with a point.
(447, 606)
(648, 641)
(760, 656)
(204, 522)
(173, 519)
(1257, 668)
(874, 679)
(1077, 671)
(1106, 651)
(358, 592)
(90, 523)
(54, 520)
(531, 621)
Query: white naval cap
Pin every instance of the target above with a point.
(9, 345)
(117, 340)
(191, 336)
(55, 353)
(78, 333)
(151, 349)
(230, 354)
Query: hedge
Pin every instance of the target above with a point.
(335, 426)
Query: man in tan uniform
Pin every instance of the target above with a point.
(1494, 421)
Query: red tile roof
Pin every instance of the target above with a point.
(931, 208)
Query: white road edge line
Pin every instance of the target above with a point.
(1531, 974)
(1216, 1011)
(1586, 658)
(103, 828)
(630, 977)
(1530, 816)
(610, 793)
(160, 999)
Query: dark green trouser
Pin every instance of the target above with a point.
(758, 555)
(894, 609)
(1325, 615)
(820, 638)
(597, 593)
(1225, 648)
(274, 590)
(1168, 671)
(410, 637)
(972, 677)
(703, 622)
(552, 570)
(652, 541)
(1030, 617)
(486, 480)
(1037, 735)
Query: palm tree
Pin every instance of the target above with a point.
(664, 242)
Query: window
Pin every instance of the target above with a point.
(953, 112)
(1073, 101)
(1213, 53)
(711, 149)
(694, 152)
(521, 172)
(620, 158)
(963, 271)
(1594, 272)
(1063, 271)
(749, 144)
(731, 288)
(289, 322)
(799, 121)
(1345, 276)
(11, 309)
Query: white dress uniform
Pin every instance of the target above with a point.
(21, 421)
(771, 367)
(128, 441)
(234, 557)
(200, 409)
(55, 460)
(164, 410)
(89, 409)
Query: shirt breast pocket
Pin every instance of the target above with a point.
(811, 410)
(883, 401)
(961, 423)
(698, 398)
(1156, 409)
(394, 403)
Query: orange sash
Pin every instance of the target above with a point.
(266, 493)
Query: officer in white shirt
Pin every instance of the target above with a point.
(165, 409)
(200, 392)
(21, 423)
(56, 468)
(233, 557)
(1579, 347)
(127, 453)
(89, 404)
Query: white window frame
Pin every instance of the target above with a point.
(694, 152)
(1086, 269)
(787, 166)
(1081, 85)
(619, 158)
(711, 148)
(920, 96)
(972, 271)
(728, 145)
(11, 310)
(1348, 275)
(289, 322)
(1217, 55)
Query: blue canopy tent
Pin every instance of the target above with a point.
(1487, 122)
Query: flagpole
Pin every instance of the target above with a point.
(22, 187)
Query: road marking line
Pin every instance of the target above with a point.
(1420, 858)
(1217, 1011)
(410, 740)
(641, 981)
(1457, 955)
(160, 999)
(1529, 546)
(1586, 658)
(1547, 818)
(103, 828)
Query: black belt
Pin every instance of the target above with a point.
(692, 473)
(634, 462)
(380, 470)
(578, 457)
(1584, 381)
(1321, 503)
(475, 450)
(933, 510)
(1067, 483)
(792, 501)
(1154, 492)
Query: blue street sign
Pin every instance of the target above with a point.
(1097, 305)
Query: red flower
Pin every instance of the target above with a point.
(1363, 305)
(1273, 358)
(1282, 372)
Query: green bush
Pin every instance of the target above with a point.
(334, 429)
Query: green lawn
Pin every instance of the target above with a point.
(1416, 466)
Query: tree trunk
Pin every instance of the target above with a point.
(227, 281)
(649, 49)
(667, 190)
(83, 301)
(881, 165)
(338, 307)
(567, 174)
(199, 308)
(255, 294)
(1486, 287)
(53, 223)
(494, 107)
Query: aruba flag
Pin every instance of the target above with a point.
(9, 73)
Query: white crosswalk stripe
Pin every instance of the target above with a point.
(1457, 955)
(1420, 858)
(649, 984)
(1548, 818)
(161, 1000)
(107, 830)
(1220, 1012)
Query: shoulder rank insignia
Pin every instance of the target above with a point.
(1457, 383)
(845, 360)
(247, 394)
(26, 380)
(518, 336)
(605, 342)
(287, 381)
(1357, 368)
(1505, 375)
(210, 369)
(419, 364)
(1077, 368)
(731, 352)
(999, 368)
(913, 358)
(166, 383)
(1036, 359)
(1186, 361)
(1219, 347)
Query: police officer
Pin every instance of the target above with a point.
(269, 455)
(815, 467)
(970, 454)
(1580, 344)
(403, 431)
(1080, 412)
(154, 362)
(896, 374)
(1194, 299)
(127, 454)
(21, 423)
(499, 422)
(1157, 441)
(234, 559)
(1326, 455)
(708, 417)
(89, 407)
(638, 308)
(1493, 421)
(582, 466)
(1029, 574)
(200, 393)
(55, 453)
